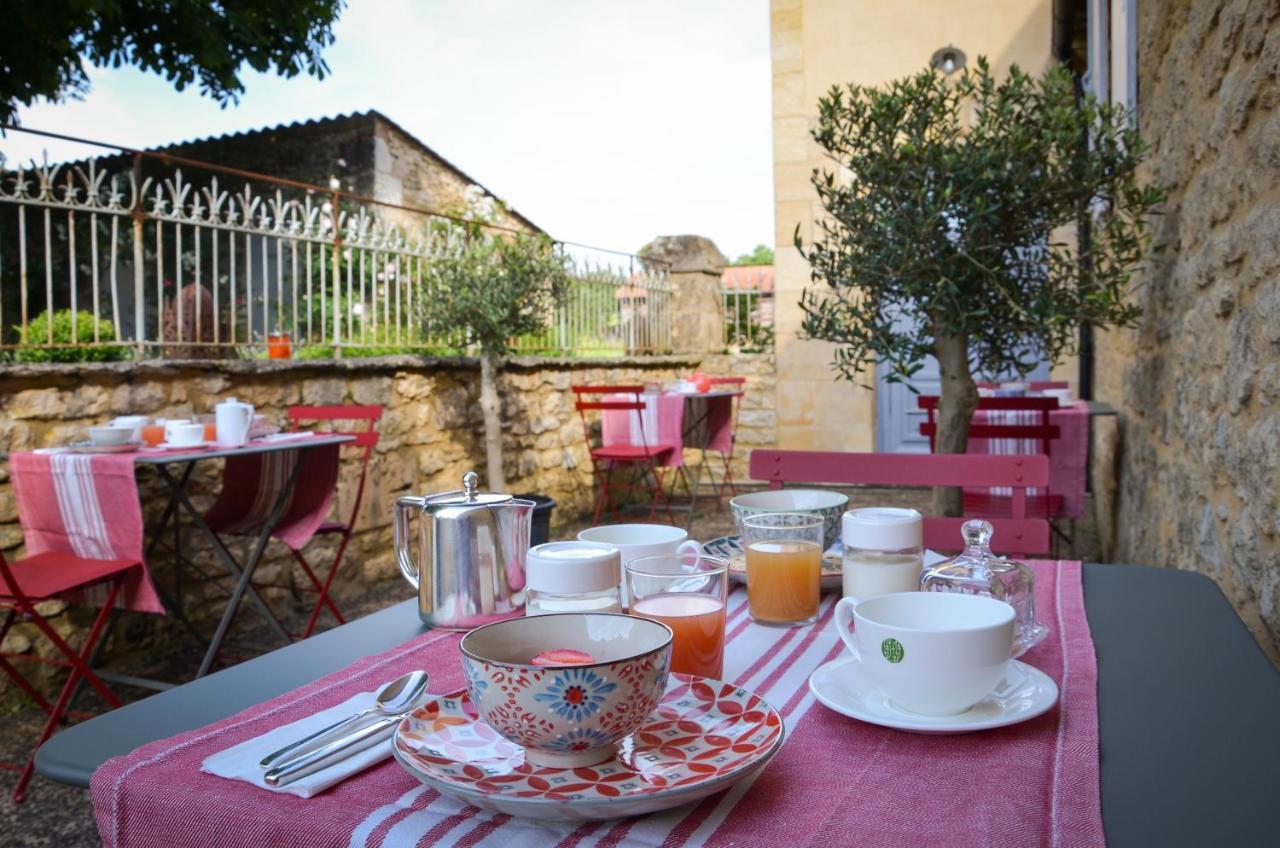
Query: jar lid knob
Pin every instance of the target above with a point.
(977, 533)
(469, 482)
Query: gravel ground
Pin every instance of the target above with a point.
(61, 816)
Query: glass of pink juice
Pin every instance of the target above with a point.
(686, 592)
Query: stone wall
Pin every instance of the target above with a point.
(1198, 382)
(431, 434)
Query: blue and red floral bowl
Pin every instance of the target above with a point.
(567, 716)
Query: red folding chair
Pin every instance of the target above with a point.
(643, 458)
(987, 504)
(1015, 533)
(42, 577)
(734, 383)
(366, 439)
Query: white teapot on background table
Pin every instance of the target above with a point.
(233, 420)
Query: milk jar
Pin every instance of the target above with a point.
(883, 551)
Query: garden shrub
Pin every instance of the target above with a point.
(84, 350)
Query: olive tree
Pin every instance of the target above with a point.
(946, 231)
(494, 289)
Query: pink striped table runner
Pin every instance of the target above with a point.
(836, 781)
(85, 505)
(1068, 457)
(665, 421)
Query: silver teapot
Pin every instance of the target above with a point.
(470, 554)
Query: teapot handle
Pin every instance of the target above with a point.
(402, 530)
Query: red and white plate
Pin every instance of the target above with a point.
(704, 736)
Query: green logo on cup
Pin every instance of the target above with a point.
(892, 650)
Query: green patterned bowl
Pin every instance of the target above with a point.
(830, 505)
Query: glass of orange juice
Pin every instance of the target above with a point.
(784, 567)
(686, 592)
(153, 432)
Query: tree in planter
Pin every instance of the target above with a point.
(941, 229)
(496, 289)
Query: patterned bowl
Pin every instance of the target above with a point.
(569, 716)
(830, 505)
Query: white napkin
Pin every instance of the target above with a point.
(241, 762)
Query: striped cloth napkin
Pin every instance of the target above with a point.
(836, 780)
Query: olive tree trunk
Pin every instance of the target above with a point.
(491, 407)
(959, 398)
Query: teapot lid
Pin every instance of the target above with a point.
(469, 496)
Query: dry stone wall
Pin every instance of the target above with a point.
(1198, 382)
(430, 435)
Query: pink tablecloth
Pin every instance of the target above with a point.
(1068, 454)
(836, 781)
(670, 418)
(88, 505)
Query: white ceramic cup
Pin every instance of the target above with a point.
(184, 435)
(933, 653)
(170, 424)
(641, 540)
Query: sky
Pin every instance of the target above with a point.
(605, 122)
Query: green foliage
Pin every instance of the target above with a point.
(499, 288)
(742, 327)
(761, 255)
(185, 41)
(37, 333)
(944, 220)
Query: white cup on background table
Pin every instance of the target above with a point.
(641, 540)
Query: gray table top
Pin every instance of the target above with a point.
(1187, 707)
(145, 457)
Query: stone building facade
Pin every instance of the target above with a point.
(366, 152)
(1197, 383)
(1190, 470)
(817, 44)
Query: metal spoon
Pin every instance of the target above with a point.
(396, 698)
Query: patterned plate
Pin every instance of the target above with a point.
(704, 736)
(730, 547)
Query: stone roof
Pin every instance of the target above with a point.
(367, 115)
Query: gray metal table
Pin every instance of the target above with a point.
(242, 573)
(1187, 703)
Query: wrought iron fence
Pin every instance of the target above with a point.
(138, 254)
(746, 295)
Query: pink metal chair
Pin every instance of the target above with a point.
(42, 577)
(643, 458)
(1016, 533)
(988, 504)
(367, 439)
(1034, 385)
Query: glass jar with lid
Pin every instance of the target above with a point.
(573, 577)
(883, 551)
(978, 571)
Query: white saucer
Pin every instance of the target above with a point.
(1024, 693)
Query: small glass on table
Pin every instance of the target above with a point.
(688, 593)
(784, 567)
